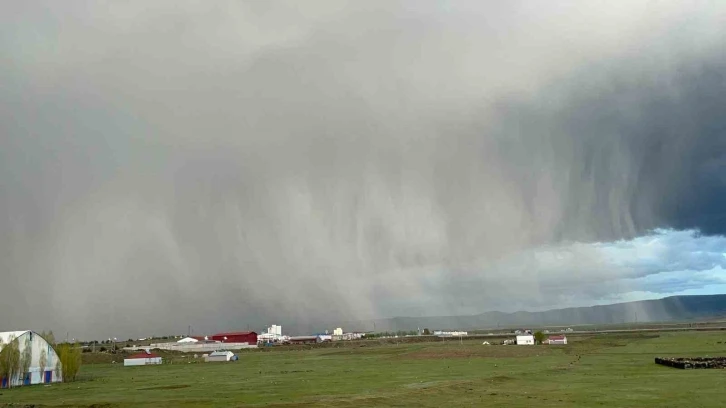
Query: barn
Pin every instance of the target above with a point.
(44, 366)
(145, 358)
(236, 337)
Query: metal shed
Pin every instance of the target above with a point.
(45, 366)
(219, 356)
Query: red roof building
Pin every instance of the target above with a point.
(141, 359)
(557, 340)
(236, 337)
(142, 355)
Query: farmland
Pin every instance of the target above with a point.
(615, 370)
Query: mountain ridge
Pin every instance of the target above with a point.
(671, 308)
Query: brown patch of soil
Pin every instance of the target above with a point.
(165, 387)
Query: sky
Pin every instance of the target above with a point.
(235, 164)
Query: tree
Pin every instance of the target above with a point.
(25, 357)
(427, 332)
(69, 359)
(9, 360)
(43, 361)
(539, 337)
(48, 336)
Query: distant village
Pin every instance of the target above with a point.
(221, 347)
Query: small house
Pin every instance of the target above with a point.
(557, 339)
(525, 340)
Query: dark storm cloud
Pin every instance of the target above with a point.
(226, 163)
(646, 147)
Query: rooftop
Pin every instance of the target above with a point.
(142, 355)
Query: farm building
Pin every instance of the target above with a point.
(44, 366)
(220, 356)
(145, 358)
(236, 337)
(525, 340)
(557, 339)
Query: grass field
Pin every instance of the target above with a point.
(604, 370)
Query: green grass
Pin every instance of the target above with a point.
(606, 370)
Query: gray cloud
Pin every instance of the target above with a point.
(224, 164)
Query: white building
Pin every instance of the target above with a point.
(188, 340)
(145, 358)
(525, 339)
(455, 333)
(272, 334)
(220, 356)
(338, 332)
(45, 366)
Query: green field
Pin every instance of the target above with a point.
(604, 370)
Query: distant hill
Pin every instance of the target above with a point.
(661, 310)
